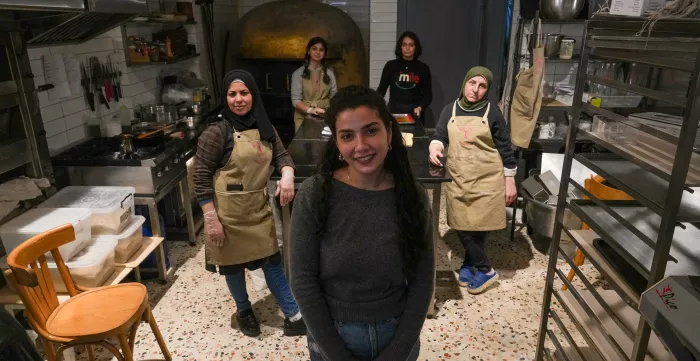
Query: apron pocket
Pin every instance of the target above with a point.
(243, 208)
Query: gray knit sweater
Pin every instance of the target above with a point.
(354, 273)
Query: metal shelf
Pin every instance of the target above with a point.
(647, 130)
(685, 248)
(592, 326)
(649, 93)
(656, 59)
(648, 152)
(171, 61)
(584, 241)
(646, 187)
(654, 167)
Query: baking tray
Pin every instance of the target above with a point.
(684, 256)
(646, 187)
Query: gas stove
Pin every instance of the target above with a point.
(105, 152)
(97, 162)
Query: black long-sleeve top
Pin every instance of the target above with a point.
(499, 132)
(409, 83)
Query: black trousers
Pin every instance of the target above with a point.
(474, 243)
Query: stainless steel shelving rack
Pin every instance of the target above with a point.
(653, 233)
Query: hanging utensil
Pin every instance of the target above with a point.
(146, 135)
(113, 75)
(85, 81)
(98, 81)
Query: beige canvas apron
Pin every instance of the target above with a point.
(527, 98)
(476, 197)
(314, 93)
(249, 231)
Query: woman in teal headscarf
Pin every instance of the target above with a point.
(481, 163)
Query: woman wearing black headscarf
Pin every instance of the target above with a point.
(233, 161)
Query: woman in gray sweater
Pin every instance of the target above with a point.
(362, 259)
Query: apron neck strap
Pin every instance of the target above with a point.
(486, 114)
(454, 109)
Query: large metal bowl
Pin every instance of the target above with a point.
(551, 43)
(561, 9)
(541, 217)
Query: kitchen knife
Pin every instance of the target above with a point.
(85, 81)
(98, 78)
(113, 76)
(107, 82)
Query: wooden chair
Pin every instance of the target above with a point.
(89, 316)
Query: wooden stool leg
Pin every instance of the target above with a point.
(126, 350)
(91, 353)
(159, 337)
(48, 349)
(578, 261)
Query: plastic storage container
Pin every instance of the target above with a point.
(38, 220)
(89, 268)
(128, 242)
(112, 207)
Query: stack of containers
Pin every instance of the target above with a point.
(113, 215)
(115, 229)
(36, 221)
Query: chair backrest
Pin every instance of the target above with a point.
(29, 273)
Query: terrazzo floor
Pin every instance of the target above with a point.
(194, 309)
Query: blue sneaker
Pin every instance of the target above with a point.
(481, 282)
(466, 275)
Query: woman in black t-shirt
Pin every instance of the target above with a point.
(407, 78)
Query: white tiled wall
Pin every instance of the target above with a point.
(383, 17)
(65, 119)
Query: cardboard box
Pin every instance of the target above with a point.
(635, 7)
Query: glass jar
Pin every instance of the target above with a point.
(566, 50)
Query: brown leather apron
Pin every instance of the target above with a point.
(249, 230)
(314, 93)
(476, 197)
(527, 97)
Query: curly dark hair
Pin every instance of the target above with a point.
(307, 59)
(414, 37)
(410, 206)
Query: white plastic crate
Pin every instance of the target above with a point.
(128, 242)
(112, 207)
(39, 220)
(91, 267)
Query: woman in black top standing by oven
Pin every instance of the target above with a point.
(407, 78)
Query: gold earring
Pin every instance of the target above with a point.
(340, 157)
(389, 146)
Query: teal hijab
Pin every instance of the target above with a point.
(475, 71)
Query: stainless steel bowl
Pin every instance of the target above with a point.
(561, 9)
(552, 43)
(192, 122)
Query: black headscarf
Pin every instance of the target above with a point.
(257, 116)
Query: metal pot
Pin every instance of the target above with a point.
(126, 144)
(192, 122)
(552, 43)
(158, 113)
(561, 9)
(541, 217)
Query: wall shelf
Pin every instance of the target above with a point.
(171, 61)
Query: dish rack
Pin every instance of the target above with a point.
(655, 234)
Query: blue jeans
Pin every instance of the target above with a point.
(276, 282)
(365, 341)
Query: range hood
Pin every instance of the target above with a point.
(56, 22)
